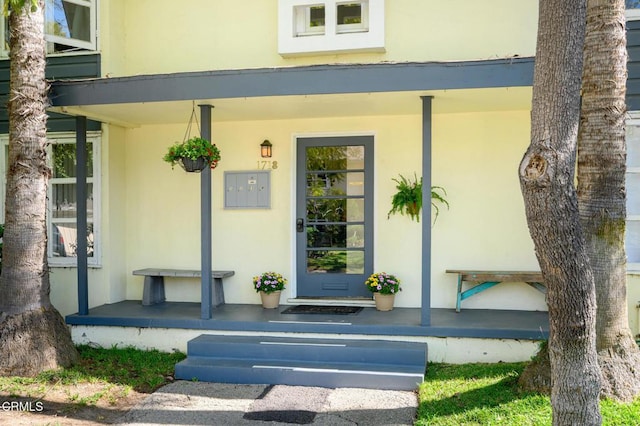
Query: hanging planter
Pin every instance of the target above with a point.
(193, 154)
(408, 199)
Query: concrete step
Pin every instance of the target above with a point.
(374, 364)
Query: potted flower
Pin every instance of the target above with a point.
(269, 285)
(408, 199)
(193, 154)
(384, 288)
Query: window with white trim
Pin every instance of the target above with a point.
(632, 9)
(70, 26)
(329, 26)
(632, 243)
(62, 205)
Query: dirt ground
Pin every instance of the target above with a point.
(73, 405)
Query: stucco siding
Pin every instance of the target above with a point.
(475, 157)
(232, 34)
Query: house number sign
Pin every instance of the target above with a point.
(267, 165)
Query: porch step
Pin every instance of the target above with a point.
(373, 364)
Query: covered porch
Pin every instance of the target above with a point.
(400, 109)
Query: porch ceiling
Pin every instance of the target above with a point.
(308, 106)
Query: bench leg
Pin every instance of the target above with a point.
(153, 290)
(459, 294)
(218, 293)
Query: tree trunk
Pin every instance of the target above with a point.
(33, 335)
(547, 183)
(601, 192)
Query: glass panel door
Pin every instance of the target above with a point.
(334, 210)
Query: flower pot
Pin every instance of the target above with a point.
(384, 302)
(270, 300)
(190, 165)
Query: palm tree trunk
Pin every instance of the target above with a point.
(601, 192)
(547, 182)
(33, 335)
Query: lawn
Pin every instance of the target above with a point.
(487, 394)
(100, 388)
(108, 382)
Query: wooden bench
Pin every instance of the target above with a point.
(483, 280)
(153, 291)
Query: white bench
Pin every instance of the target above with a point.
(153, 291)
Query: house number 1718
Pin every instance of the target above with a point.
(267, 164)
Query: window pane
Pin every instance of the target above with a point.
(350, 13)
(64, 160)
(335, 158)
(63, 201)
(632, 4)
(327, 210)
(632, 244)
(633, 193)
(342, 262)
(64, 239)
(316, 16)
(309, 20)
(334, 184)
(68, 20)
(335, 236)
(355, 210)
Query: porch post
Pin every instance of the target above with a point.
(81, 209)
(205, 219)
(425, 311)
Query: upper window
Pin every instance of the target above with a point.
(70, 26)
(632, 243)
(633, 9)
(329, 26)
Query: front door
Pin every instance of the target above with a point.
(334, 210)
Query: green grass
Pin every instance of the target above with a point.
(486, 394)
(114, 372)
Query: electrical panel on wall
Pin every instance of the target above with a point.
(247, 190)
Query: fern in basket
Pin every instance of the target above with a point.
(408, 199)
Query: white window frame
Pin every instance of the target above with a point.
(67, 137)
(293, 39)
(80, 44)
(633, 119)
(302, 21)
(363, 26)
(632, 14)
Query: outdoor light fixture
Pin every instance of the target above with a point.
(265, 149)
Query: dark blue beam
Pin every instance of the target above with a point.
(305, 80)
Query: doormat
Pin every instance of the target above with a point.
(326, 310)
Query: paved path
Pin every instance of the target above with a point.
(199, 403)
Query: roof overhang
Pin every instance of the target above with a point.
(313, 91)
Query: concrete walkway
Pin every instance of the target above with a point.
(199, 403)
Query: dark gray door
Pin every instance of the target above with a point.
(334, 214)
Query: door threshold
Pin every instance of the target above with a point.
(365, 303)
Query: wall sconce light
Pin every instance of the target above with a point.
(265, 149)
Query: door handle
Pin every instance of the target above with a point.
(300, 224)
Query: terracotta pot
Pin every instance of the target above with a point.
(384, 302)
(270, 300)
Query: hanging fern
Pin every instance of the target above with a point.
(408, 199)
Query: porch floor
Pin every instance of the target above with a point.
(475, 323)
